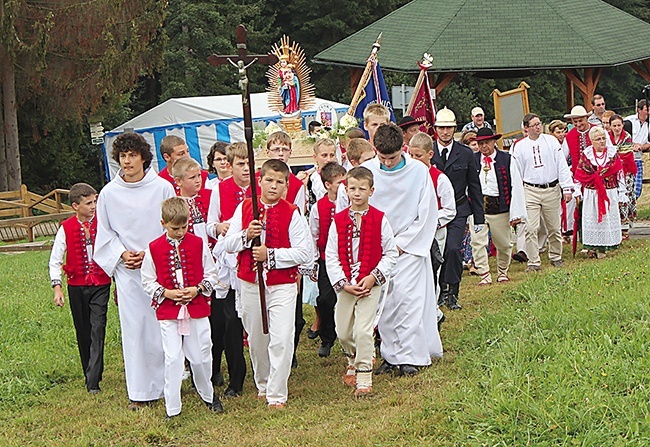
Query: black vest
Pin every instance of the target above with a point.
(501, 165)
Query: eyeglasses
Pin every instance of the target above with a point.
(277, 150)
(534, 124)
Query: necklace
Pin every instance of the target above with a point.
(600, 157)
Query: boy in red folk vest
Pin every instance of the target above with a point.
(179, 275)
(286, 244)
(88, 285)
(227, 328)
(359, 256)
(320, 219)
(187, 175)
(421, 148)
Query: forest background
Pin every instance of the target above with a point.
(66, 63)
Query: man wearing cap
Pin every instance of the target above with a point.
(504, 204)
(459, 165)
(478, 121)
(410, 126)
(543, 167)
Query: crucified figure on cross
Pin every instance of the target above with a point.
(242, 61)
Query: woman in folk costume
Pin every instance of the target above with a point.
(599, 178)
(622, 139)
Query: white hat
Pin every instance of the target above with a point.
(445, 118)
(577, 112)
(477, 111)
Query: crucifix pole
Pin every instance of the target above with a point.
(242, 61)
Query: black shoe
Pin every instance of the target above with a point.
(520, 256)
(408, 370)
(324, 350)
(440, 321)
(452, 302)
(294, 362)
(216, 405)
(384, 368)
(231, 392)
(312, 335)
(217, 380)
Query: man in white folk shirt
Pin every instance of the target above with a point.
(542, 166)
(504, 204)
(128, 218)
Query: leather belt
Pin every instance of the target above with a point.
(543, 185)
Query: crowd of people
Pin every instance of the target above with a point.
(375, 236)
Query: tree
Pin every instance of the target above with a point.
(69, 57)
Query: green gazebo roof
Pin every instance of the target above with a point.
(498, 35)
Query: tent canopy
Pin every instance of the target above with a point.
(200, 121)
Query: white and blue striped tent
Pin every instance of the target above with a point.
(200, 121)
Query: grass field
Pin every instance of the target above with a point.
(554, 359)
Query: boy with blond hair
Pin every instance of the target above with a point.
(374, 116)
(421, 148)
(88, 284)
(285, 244)
(320, 219)
(187, 176)
(360, 254)
(172, 149)
(227, 328)
(179, 275)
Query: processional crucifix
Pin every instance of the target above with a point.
(242, 60)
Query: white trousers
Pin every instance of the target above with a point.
(197, 348)
(141, 342)
(271, 353)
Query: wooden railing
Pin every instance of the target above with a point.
(17, 209)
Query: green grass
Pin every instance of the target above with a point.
(559, 358)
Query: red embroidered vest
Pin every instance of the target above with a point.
(80, 270)
(293, 187)
(575, 150)
(202, 200)
(164, 173)
(326, 209)
(435, 174)
(370, 250)
(231, 195)
(278, 219)
(191, 254)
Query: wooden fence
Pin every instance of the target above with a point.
(18, 220)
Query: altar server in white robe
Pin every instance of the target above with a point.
(404, 192)
(128, 218)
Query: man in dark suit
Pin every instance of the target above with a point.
(458, 163)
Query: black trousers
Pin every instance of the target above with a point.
(300, 320)
(89, 305)
(227, 336)
(326, 301)
(452, 268)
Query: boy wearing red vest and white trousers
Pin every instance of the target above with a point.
(88, 285)
(320, 220)
(286, 244)
(359, 256)
(421, 148)
(179, 275)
